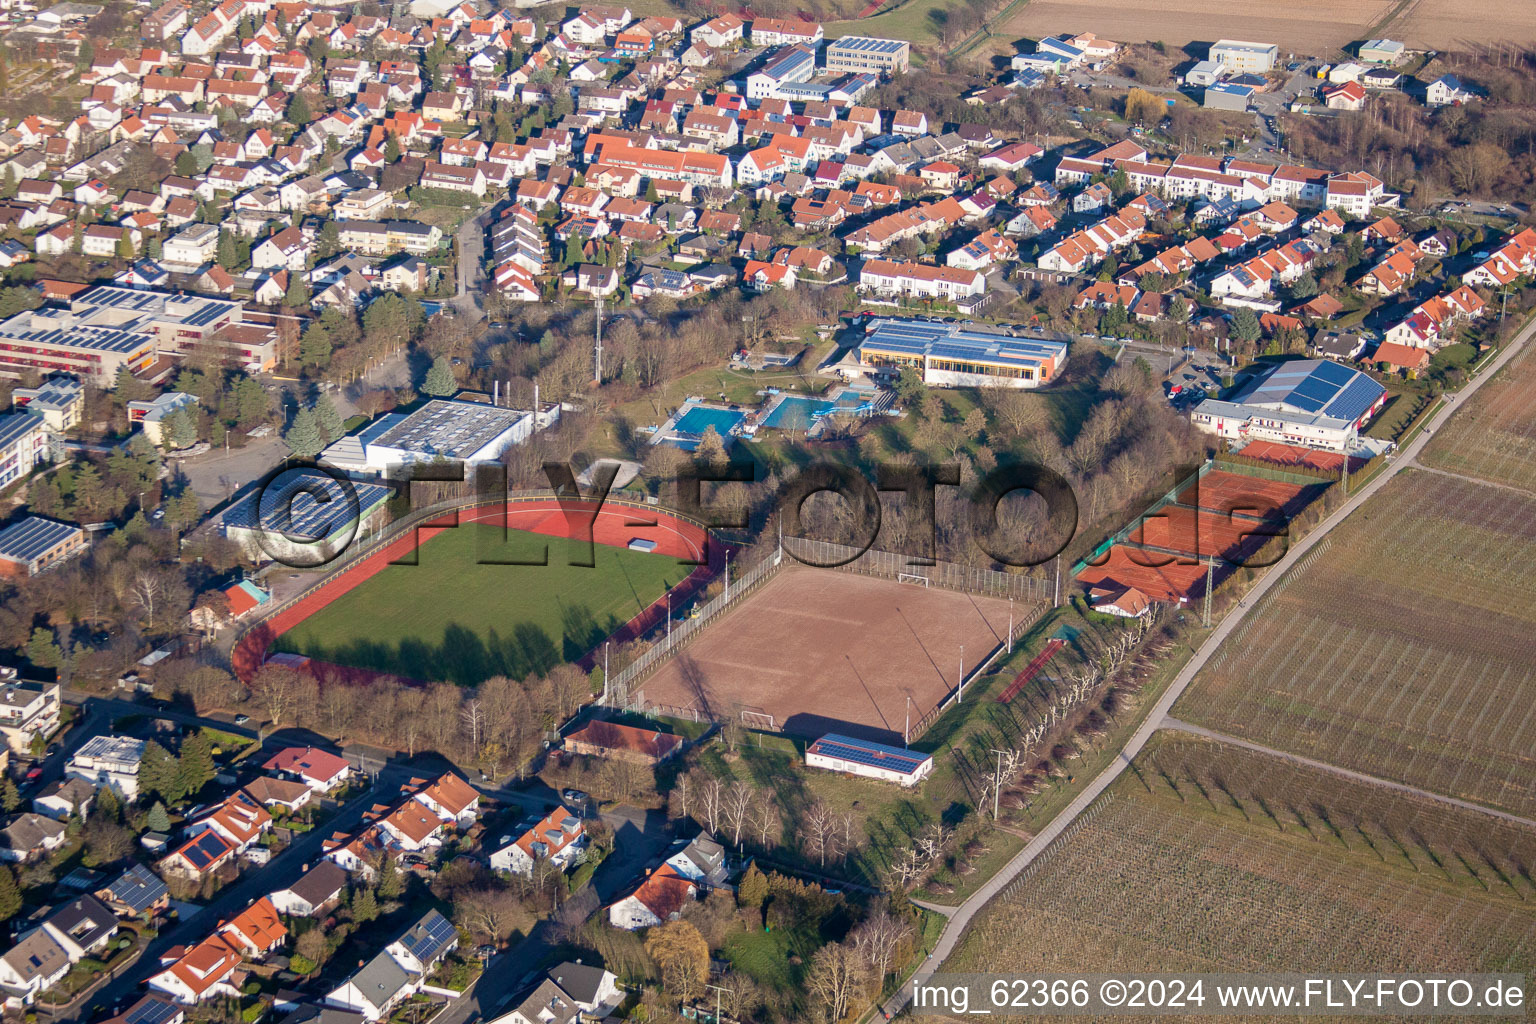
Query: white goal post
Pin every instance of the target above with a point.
(912, 577)
(760, 720)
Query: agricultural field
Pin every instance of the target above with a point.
(1452, 25)
(451, 617)
(1401, 647)
(1494, 437)
(1237, 861)
(1301, 26)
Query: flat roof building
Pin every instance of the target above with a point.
(108, 327)
(25, 440)
(34, 544)
(303, 517)
(1382, 51)
(1315, 403)
(1228, 96)
(867, 53)
(111, 761)
(871, 760)
(790, 65)
(59, 400)
(957, 355)
(1243, 56)
(458, 431)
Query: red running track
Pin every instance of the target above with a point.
(614, 525)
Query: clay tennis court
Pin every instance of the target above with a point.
(1309, 458)
(1202, 532)
(1133, 567)
(826, 651)
(1235, 492)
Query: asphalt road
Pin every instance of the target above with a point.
(960, 917)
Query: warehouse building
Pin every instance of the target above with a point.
(866, 53)
(957, 355)
(1243, 57)
(442, 430)
(1315, 403)
(302, 517)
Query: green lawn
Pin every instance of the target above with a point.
(454, 617)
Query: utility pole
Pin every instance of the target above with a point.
(906, 732)
(1010, 625)
(997, 779)
(718, 990)
(597, 349)
(960, 690)
(727, 575)
(1210, 576)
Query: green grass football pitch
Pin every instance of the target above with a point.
(452, 617)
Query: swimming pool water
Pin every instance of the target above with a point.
(700, 418)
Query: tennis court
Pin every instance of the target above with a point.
(1235, 492)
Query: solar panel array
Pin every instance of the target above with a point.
(954, 341)
(34, 537)
(137, 888)
(304, 506)
(866, 752)
(208, 847)
(429, 936)
(151, 1010)
(866, 44)
(1320, 387)
(454, 430)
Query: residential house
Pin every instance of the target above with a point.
(28, 837)
(317, 890)
(658, 899)
(319, 769)
(559, 839)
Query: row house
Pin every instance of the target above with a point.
(1432, 320)
(1393, 271)
(1087, 248)
(454, 179)
(919, 280)
(1515, 258)
(709, 169)
(1256, 278)
(983, 251)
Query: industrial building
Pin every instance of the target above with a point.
(957, 355)
(1245, 57)
(1315, 403)
(1228, 96)
(866, 53)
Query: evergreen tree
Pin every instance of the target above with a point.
(186, 163)
(753, 889)
(42, 650)
(154, 248)
(297, 295)
(1245, 325)
(125, 248)
(180, 429)
(157, 774)
(328, 243)
(298, 110)
(10, 796)
(109, 806)
(390, 882)
(364, 906)
(315, 346)
(158, 820)
(194, 768)
(251, 403)
(440, 380)
(391, 148)
(305, 438)
(1304, 287)
(228, 256)
(329, 419)
(10, 896)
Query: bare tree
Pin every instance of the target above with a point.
(472, 714)
(818, 831)
(838, 978)
(879, 940)
(711, 797)
(737, 801)
(766, 820)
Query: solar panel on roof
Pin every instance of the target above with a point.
(150, 1010)
(429, 935)
(876, 755)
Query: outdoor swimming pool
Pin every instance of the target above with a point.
(700, 418)
(799, 412)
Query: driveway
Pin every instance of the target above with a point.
(471, 238)
(217, 474)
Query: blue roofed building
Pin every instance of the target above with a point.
(1314, 403)
(33, 544)
(868, 54)
(959, 355)
(871, 760)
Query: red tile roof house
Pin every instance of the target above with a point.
(256, 930)
(412, 827)
(206, 971)
(449, 797)
(623, 742)
(199, 856)
(319, 769)
(559, 838)
(240, 820)
(661, 897)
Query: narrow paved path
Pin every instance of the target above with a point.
(960, 917)
(1170, 722)
(1474, 480)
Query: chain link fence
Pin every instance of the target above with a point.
(894, 565)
